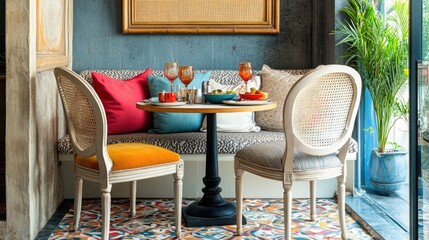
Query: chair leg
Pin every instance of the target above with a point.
(312, 200)
(105, 211)
(341, 206)
(239, 199)
(77, 202)
(133, 190)
(287, 201)
(178, 189)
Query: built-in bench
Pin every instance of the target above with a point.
(191, 146)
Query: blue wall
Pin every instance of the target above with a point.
(99, 42)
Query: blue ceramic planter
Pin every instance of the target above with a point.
(388, 171)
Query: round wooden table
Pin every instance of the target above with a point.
(211, 209)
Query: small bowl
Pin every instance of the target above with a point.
(218, 98)
(167, 97)
(251, 96)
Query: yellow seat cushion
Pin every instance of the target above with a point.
(131, 155)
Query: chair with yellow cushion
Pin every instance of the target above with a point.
(108, 164)
(318, 117)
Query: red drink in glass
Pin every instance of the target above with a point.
(245, 72)
(171, 71)
(186, 75)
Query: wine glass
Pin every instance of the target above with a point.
(245, 72)
(186, 75)
(171, 71)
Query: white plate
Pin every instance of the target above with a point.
(168, 103)
(250, 102)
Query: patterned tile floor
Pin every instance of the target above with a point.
(155, 217)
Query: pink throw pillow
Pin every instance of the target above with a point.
(119, 99)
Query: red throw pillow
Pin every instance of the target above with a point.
(119, 99)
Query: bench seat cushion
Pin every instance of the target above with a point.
(192, 142)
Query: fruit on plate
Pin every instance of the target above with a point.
(254, 91)
(219, 91)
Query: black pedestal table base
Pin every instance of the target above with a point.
(211, 209)
(194, 221)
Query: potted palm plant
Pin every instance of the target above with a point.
(377, 47)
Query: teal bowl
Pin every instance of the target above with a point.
(218, 98)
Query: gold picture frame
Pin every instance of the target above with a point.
(201, 16)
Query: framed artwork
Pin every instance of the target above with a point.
(201, 16)
(52, 40)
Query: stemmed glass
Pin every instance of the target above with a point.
(171, 71)
(186, 75)
(245, 72)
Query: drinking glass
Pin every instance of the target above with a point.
(186, 75)
(177, 90)
(171, 71)
(245, 72)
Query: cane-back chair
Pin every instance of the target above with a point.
(108, 164)
(318, 118)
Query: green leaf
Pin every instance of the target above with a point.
(368, 129)
(377, 47)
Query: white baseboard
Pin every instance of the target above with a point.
(162, 187)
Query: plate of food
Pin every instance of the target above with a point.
(155, 101)
(250, 96)
(254, 95)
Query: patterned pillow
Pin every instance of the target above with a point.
(235, 122)
(237, 88)
(277, 83)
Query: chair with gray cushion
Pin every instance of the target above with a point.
(318, 118)
(96, 161)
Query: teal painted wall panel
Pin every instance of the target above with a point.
(99, 42)
(368, 140)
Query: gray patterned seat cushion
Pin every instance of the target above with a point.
(270, 154)
(192, 142)
(187, 142)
